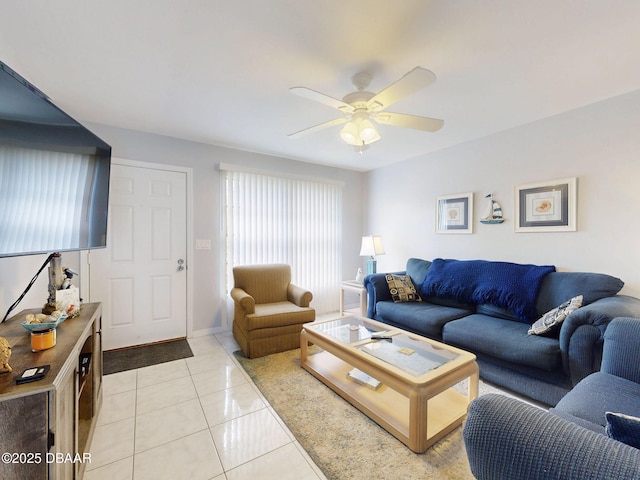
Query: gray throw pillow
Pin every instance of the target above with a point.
(623, 428)
(555, 317)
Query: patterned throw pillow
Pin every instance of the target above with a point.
(623, 428)
(402, 288)
(554, 318)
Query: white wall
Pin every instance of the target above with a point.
(15, 273)
(599, 144)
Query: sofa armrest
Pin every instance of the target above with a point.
(509, 439)
(377, 291)
(244, 300)
(621, 355)
(298, 295)
(582, 333)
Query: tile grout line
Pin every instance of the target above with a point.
(219, 347)
(135, 427)
(213, 441)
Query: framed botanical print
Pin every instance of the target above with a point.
(546, 206)
(454, 213)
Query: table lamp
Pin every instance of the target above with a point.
(371, 246)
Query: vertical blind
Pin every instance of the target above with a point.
(270, 219)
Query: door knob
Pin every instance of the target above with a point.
(181, 265)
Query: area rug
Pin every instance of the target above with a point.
(343, 442)
(115, 361)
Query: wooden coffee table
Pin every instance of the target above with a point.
(415, 401)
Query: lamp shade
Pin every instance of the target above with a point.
(367, 132)
(371, 246)
(349, 134)
(359, 130)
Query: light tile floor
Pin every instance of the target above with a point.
(200, 418)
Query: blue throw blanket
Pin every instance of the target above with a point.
(508, 285)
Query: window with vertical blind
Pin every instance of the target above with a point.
(272, 219)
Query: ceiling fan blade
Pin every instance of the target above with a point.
(322, 98)
(409, 121)
(412, 82)
(317, 128)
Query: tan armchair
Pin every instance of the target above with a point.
(269, 310)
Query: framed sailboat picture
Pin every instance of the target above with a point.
(546, 206)
(454, 213)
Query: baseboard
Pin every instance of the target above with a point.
(208, 331)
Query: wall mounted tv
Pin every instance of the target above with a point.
(54, 175)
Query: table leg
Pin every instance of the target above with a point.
(474, 380)
(303, 348)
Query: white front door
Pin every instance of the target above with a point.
(141, 276)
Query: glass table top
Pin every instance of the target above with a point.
(348, 330)
(413, 356)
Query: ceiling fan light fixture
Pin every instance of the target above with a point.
(349, 134)
(359, 131)
(367, 132)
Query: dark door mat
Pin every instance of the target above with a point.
(137, 357)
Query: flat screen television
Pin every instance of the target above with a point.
(54, 175)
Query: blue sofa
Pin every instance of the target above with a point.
(541, 367)
(509, 439)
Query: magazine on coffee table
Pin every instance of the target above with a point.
(410, 356)
(360, 377)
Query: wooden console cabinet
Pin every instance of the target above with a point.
(46, 426)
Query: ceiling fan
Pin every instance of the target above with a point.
(360, 107)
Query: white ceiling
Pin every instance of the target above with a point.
(219, 71)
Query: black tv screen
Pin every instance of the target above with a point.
(54, 175)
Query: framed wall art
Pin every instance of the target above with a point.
(454, 213)
(546, 206)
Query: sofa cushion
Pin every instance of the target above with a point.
(623, 428)
(419, 317)
(448, 302)
(620, 355)
(551, 320)
(417, 269)
(592, 397)
(278, 314)
(402, 288)
(503, 339)
(495, 311)
(557, 287)
(577, 420)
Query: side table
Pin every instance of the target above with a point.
(357, 288)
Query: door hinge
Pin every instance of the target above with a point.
(50, 440)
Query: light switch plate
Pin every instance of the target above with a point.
(203, 244)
